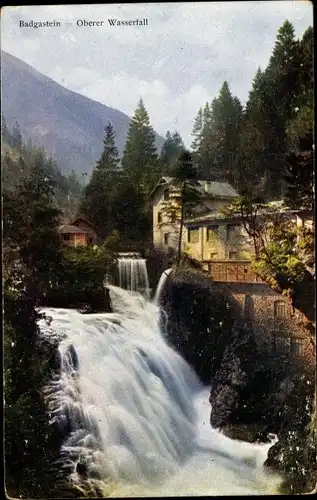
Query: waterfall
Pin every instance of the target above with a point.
(161, 285)
(133, 275)
(135, 415)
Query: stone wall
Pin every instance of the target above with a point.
(278, 328)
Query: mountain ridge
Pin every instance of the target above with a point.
(69, 125)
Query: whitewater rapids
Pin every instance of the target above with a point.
(137, 417)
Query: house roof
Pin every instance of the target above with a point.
(218, 189)
(274, 208)
(78, 219)
(70, 229)
(212, 189)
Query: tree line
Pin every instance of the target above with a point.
(247, 146)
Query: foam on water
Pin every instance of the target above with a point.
(135, 412)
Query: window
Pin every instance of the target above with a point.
(166, 195)
(280, 310)
(297, 346)
(212, 231)
(214, 256)
(173, 217)
(67, 237)
(159, 218)
(282, 344)
(193, 235)
(232, 230)
(233, 255)
(166, 238)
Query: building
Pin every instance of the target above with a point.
(78, 233)
(215, 196)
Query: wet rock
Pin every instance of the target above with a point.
(82, 469)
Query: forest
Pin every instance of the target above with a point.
(264, 149)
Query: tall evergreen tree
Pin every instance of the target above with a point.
(300, 176)
(222, 141)
(197, 134)
(4, 130)
(97, 202)
(140, 161)
(16, 138)
(171, 149)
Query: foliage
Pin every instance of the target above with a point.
(19, 160)
(31, 445)
(83, 270)
(32, 246)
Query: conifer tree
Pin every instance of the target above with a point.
(171, 150)
(140, 161)
(300, 176)
(97, 202)
(197, 135)
(16, 138)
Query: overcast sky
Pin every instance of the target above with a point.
(176, 63)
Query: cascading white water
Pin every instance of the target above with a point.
(161, 285)
(138, 416)
(133, 275)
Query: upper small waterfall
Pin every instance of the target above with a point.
(133, 275)
(161, 285)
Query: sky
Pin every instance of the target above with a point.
(176, 63)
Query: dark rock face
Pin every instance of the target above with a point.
(200, 321)
(254, 392)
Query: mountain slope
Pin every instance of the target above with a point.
(68, 125)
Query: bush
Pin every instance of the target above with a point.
(31, 444)
(82, 277)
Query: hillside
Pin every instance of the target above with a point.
(68, 125)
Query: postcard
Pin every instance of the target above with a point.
(158, 249)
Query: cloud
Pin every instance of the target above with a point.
(176, 63)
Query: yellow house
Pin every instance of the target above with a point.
(166, 208)
(224, 246)
(216, 237)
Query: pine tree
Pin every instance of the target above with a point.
(16, 139)
(197, 134)
(4, 129)
(300, 176)
(220, 142)
(109, 159)
(301, 124)
(206, 164)
(140, 161)
(171, 150)
(98, 196)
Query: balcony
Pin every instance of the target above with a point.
(232, 271)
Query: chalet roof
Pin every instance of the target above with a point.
(213, 218)
(82, 219)
(274, 208)
(70, 229)
(212, 189)
(218, 189)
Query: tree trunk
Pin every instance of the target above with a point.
(181, 226)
